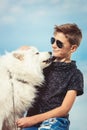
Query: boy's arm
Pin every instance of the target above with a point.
(61, 111)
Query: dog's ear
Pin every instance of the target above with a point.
(18, 56)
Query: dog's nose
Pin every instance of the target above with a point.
(50, 52)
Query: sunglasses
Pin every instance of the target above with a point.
(58, 42)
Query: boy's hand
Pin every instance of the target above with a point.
(26, 122)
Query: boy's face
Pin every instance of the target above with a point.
(65, 51)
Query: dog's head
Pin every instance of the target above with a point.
(27, 64)
(32, 57)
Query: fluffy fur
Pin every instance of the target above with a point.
(20, 72)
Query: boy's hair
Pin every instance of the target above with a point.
(71, 32)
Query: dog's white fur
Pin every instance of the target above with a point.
(20, 72)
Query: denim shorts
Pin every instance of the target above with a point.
(52, 124)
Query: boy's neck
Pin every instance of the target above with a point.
(66, 60)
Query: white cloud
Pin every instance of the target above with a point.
(12, 12)
(8, 19)
(25, 2)
(3, 3)
(36, 15)
(3, 6)
(9, 12)
(36, 9)
(31, 2)
(69, 6)
(55, 1)
(16, 10)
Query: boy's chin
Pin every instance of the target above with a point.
(56, 55)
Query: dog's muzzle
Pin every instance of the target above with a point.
(50, 60)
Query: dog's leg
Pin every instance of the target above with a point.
(1, 122)
(8, 124)
(1, 125)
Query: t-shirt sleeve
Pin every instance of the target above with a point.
(77, 83)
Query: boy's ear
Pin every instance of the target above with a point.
(73, 48)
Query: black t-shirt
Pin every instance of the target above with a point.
(59, 78)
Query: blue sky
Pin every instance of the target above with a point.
(31, 22)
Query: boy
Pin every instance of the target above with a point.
(63, 82)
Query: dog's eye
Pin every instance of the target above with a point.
(37, 53)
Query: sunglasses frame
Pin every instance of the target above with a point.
(58, 42)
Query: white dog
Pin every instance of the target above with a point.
(20, 72)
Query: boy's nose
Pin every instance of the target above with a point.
(54, 45)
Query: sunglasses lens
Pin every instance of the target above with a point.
(59, 44)
(52, 40)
